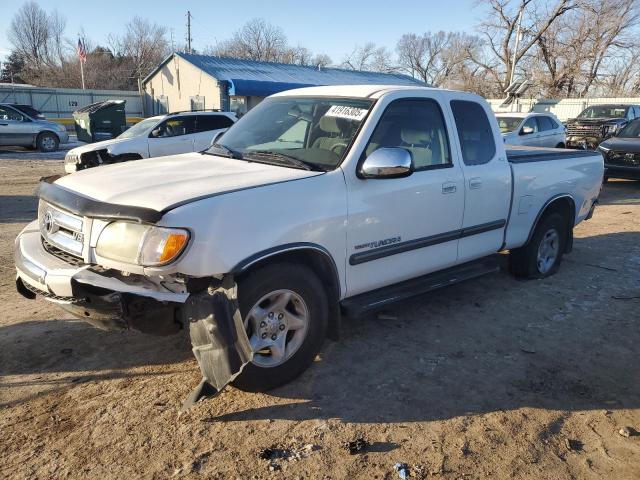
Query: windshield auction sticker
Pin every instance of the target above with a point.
(348, 113)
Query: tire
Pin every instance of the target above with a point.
(560, 145)
(47, 142)
(525, 262)
(307, 295)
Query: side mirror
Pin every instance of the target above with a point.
(216, 137)
(387, 163)
(526, 131)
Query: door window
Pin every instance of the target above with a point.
(530, 124)
(205, 123)
(10, 114)
(417, 125)
(474, 131)
(544, 124)
(175, 127)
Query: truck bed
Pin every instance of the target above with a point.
(517, 154)
(576, 174)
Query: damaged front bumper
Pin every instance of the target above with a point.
(110, 300)
(105, 298)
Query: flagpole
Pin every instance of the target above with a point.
(82, 72)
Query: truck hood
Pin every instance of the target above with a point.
(161, 183)
(621, 144)
(92, 147)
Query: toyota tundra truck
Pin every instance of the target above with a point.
(320, 202)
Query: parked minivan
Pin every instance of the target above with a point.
(23, 126)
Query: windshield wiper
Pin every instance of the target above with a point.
(229, 152)
(284, 158)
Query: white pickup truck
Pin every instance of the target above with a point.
(319, 202)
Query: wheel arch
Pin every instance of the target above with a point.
(566, 206)
(316, 257)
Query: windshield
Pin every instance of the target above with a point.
(604, 111)
(508, 124)
(296, 132)
(140, 128)
(632, 130)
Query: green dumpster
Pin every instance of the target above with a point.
(100, 121)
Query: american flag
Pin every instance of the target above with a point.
(82, 51)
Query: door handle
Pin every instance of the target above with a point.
(448, 187)
(475, 183)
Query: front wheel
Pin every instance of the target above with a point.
(285, 312)
(541, 257)
(47, 142)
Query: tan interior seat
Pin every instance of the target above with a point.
(331, 139)
(418, 142)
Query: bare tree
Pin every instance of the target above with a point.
(256, 40)
(369, 57)
(145, 45)
(499, 30)
(435, 57)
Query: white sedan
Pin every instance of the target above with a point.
(532, 129)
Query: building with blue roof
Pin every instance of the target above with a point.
(186, 81)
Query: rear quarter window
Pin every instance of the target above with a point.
(205, 123)
(474, 132)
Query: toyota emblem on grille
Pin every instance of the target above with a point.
(629, 156)
(47, 223)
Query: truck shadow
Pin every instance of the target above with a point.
(18, 208)
(492, 344)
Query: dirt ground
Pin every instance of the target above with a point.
(494, 378)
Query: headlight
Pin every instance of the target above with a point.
(71, 158)
(139, 244)
(610, 129)
(603, 149)
(61, 128)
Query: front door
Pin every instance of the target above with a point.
(172, 137)
(15, 128)
(406, 227)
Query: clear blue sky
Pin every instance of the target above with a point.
(334, 27)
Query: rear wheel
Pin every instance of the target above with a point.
(285, 313)
(47, 142)
(560, 145)
(541, 257)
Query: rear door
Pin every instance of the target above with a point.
(487, 180)
(401, 228)
(207, 127)
(547, 132)
(173, 136)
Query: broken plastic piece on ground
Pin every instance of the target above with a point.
(402, 469)
(218, 337)
(356, 446)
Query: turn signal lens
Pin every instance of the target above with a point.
(172, 247)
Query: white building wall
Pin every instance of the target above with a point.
(563, 109)
(178, 82)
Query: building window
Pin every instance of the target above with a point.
(197, 103)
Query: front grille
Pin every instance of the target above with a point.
(50, 295)
(584, 130)
(625, 159)
(62, 255)
(61, 229)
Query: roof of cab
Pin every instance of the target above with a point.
(354, 91)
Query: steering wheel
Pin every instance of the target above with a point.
(338, 145)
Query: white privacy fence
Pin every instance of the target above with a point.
(60, 103)
(563, 109)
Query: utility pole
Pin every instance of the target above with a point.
(515, 50)
(189, 31)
